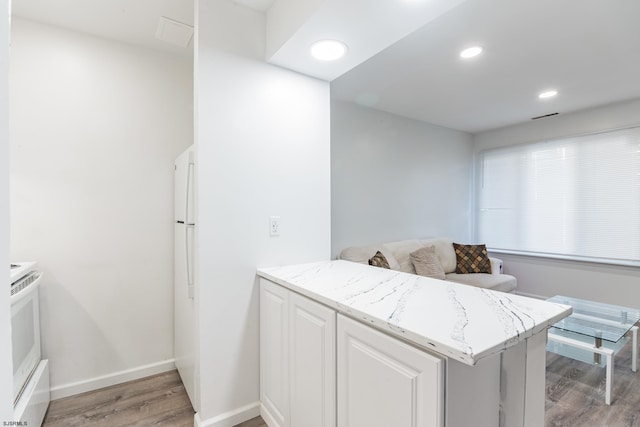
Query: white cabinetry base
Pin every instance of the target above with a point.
(274, 354)
(320, 368)
(297, 359)
(384, 382)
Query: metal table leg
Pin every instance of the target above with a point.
(634, 350)
(609, 378)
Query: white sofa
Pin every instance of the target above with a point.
(397, 254)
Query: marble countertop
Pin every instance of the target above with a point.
(462, 322)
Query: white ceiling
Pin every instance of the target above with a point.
(128, 21)
(365, 26)
(124, 20)
(589, 50)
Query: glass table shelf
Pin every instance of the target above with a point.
(595, 319)
(579, 353)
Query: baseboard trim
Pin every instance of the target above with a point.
(66, 390)
(267, 417)
(231, 418)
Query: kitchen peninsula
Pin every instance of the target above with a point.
(352, 345)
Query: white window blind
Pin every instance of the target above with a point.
(577, 197)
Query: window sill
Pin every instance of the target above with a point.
(605, 261)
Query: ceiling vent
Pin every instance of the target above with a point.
(174, 32)
(542, 117)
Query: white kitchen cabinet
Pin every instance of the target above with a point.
(384, 382)
(411, 350)
(297, 359)
(274, 354)
(312, 356)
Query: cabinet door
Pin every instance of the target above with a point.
(274, 354)
(312, 360)
(384, 382)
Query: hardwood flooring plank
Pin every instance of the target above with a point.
(118, 392)
(156, 400)
(254, 422)
(149, 408)
(136, 403)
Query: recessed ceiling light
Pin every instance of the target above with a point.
(471, 52)
(548, 94)
(328, 50)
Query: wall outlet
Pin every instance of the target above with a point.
(274, 226)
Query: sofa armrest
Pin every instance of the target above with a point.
(496, 265)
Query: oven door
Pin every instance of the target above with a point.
(25, 335)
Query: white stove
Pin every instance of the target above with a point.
(30, 373)
(21, 269)
(23, 275)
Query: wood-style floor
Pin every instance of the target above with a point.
(575, 393)
(574, 398)
(255, 422)
(159, 400)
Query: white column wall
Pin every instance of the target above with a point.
(263, 150)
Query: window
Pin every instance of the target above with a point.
(576, 197)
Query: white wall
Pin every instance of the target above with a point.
(6, 377)
(394, 178)
(263, 149)
(95, 127)
(548, 277)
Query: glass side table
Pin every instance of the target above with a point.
(592, 331)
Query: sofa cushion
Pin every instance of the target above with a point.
(472, 259)
(426, 262)
(362, 254)
(379, 260)
(495, 282)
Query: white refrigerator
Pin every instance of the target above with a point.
(184, 277)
